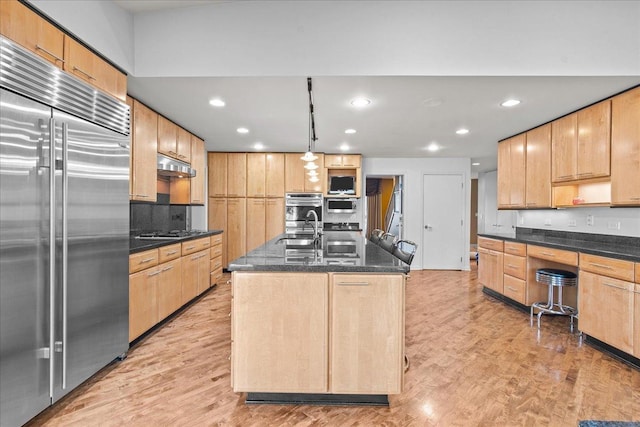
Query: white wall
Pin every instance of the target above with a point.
(413, 170)
(605, 220)
(103, 25)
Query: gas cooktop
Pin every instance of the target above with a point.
(164, 235)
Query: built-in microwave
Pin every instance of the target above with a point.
(341, 205)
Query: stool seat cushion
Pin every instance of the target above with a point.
(556, 273)
(555, 277)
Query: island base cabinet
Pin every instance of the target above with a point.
(280, 332)
(367, 333)
(606, 309)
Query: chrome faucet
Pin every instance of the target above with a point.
(316, 233)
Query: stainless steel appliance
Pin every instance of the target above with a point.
(297, 207)
(341, 206)
(341, 248)
(172, 167)
(342, 184)
(64, 233)
(169, 235)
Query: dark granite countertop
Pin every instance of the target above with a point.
(139, 245)
(369, 258)
(619, 247)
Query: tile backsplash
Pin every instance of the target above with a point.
(159, 216)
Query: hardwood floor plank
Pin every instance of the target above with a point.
(474, 361)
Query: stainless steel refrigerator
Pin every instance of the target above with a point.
(64, 232)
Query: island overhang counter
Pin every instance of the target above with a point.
(318, 327)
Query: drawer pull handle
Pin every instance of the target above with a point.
(614, 286)
(512, 289)
(81, 71)
(635, 198)
(190, 247)
(167, 268)
(172, 252)
(146, 260)
(353, 283)
(155, 273)
(549, 254)
(512, 266)
(595, 264)
(565, 176)
(57, 58)
(585, 174)
(143, 196)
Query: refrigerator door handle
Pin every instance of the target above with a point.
(65, 236)
(52, 249)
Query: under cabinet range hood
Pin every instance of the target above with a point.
(172, 167)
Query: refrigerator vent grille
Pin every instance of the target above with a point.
(26, 73)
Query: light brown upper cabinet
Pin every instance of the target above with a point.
(144, 147)
(625, 149)
(35, 33)
(538, 167)
(173, 141)
(581, 144)
(265, 175)
(217, 174)
(256, 165)
(197, 163)
(342, 160)
(274, 175)
(511, 172)
(86, 65)
(236, 174)
(296, 178)
(28, 29)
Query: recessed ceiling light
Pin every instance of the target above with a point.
(462, 131)
(360, 102)
(217, 102)
(242, 130)
(350, 131)
(344, 147)
(258, 145)
(510, 103)
(433, 147)
(475, 164)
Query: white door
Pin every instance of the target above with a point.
(443, 225)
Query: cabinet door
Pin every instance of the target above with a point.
(636, 318)
(183, 145)
(351, 160)
(333, 160)
(504, 174)
(236, 174)
(197, 157)
(25, 27)
(204, 271)
(564, 148)
(280, 331)
(255, 223)
(167, 137)
(274, 175)
(606, 309)
(218, 221)
(129, 102)
(143, 304)
(236, 228)
(370, 307)
(189, 289)
(625, 149)
(594, 141)
(274, 218)
(517, 156)
(86, 65)
(256, 168)
(217, 174)
(538, 168)
(490, 269)
(295, 175)
(145, 146)
(169, 288)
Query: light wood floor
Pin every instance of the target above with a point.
(474, 362)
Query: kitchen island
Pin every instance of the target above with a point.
(321, 324)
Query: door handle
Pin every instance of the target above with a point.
(428, 227)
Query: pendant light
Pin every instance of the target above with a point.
(309, 156)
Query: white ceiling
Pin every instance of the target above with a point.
(400, 121)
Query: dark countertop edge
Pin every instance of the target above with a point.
(296, 268)
(146, 245)
(568, 246)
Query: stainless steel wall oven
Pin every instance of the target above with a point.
(297, 206)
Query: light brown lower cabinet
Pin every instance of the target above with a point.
(317, 333)
(143, 301)
(256, 215)
(367, 333)
(606, 309)
(169, 289)
(490, 269)
(195, 274)
(636, 317)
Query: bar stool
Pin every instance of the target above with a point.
(554, 278)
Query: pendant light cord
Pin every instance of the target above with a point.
(312, 122)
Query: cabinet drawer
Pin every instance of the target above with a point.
(216, 251)
(514, 248)
(515, 266)
(493, 244)
(195, 245)
(143, 260)
(215, 240)
(609, 267)
(557, 255)
(216, 263)
(167, 253)
(514, 288)
(637, 272)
